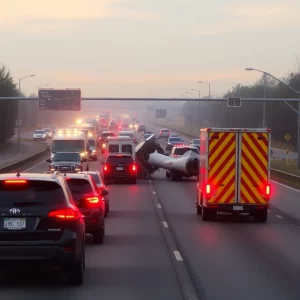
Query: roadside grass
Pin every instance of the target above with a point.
(286, 166)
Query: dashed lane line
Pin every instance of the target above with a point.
(178, 255)
(165, 224)
(158, 206)
(279, 217)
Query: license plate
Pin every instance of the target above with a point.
(14, 223)
(120, 168)
(237, 207)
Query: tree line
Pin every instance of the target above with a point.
(279, 116)
(30, 116)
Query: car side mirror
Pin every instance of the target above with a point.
(104, 192)
(48, 160)
(84, 160)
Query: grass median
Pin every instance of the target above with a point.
(289, 166)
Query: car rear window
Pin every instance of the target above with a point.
(175, 139)
(30, 193)
(79, 187)
(119, 160)
(96, 178)
(181, 151)
(165, 130)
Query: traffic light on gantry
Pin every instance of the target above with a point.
(234, 102)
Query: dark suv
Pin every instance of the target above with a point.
(89, 201)
(40, 224)
(66, 162)
(120, 166)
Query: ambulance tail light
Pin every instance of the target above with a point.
(268, 191)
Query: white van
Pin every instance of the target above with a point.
(120, 144)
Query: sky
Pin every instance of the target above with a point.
(147, 48)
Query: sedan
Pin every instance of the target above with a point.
(174, 141)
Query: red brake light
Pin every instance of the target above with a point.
(268, 190)
(15, 181)
(64, 214)
(134, 168)
(105, 168)
(93, 199)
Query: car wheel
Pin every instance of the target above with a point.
(99, 236)
(76, 271)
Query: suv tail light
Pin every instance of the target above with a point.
(134, 168)
(15, 181)
(93, 199)
(208, 191)
(64, 214)
(105, 168)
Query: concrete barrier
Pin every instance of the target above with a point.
(20, 163)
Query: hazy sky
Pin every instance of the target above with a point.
(147, 47)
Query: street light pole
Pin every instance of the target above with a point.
(198, 92)
(297, 111)
(18, 112)
(207, 83)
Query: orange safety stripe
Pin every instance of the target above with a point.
(222, 160)
(254, 168)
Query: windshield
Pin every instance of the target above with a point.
(66, 157)
(196, 142)
(96, 178)
(175, 139)
(79, 187)
(146, 136)
(119, 160)
(68, 146)
(91, 143)
(32, 192)
(39, 132)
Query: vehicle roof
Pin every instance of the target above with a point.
(77, 176)
(106, 131)
(127, 131)
(165, 129)
(235, 129)
(68, 152)
(39, 129)
(54, 177)
(185, 146)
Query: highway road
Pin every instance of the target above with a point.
(156, 247)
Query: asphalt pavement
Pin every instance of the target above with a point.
(229, 258)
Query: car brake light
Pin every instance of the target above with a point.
(93, 199)
(64, 214)
(208, 189)
(15, 181)
(268, 190)
(103, 145)
(134, 168)
(105, 168)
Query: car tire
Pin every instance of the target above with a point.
(76, 271)
(99, 236)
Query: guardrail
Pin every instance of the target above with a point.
(21, 162)
(276, 175)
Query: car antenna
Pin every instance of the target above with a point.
(18, 174)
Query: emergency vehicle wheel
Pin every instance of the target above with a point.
(261, 217)
(207, 213)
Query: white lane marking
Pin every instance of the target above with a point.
(158, 206)
(165, 224)
(34, 166)
(154, 193)
(45, 172)
(286, 186)
(178, 256)
(279, 217)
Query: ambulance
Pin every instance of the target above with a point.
(234, 172)
(120, 144)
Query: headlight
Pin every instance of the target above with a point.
(94, 151)
(104, 146)
(82, 154)
(130, 126)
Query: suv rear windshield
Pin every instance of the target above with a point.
(66, 157)
(181, 151)
(30, 193)
(79, 187)
(96, 178)
(165, 130)
(119, 160)
(107, 134)
(175, 139)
